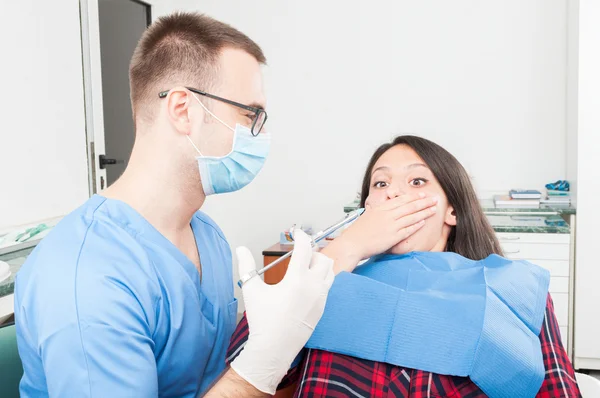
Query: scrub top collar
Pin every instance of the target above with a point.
(136, 224)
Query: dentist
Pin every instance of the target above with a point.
(132, 293)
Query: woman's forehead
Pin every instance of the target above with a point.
(399, 157)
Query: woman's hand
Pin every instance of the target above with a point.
(379, 228)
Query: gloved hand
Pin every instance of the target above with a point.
(281, 317)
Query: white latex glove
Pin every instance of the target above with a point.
(281, 317)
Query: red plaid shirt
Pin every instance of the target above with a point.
(325, 374)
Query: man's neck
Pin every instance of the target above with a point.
(159, 192)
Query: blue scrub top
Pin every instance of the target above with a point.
(107, 306)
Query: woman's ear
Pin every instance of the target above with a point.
(367, 203)
(450, 216)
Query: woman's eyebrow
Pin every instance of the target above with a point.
(380, 168)
(409, 167)
(415, 165)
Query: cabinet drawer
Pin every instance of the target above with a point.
(535, 251)
(556, 267)
(559, 284)
(561, 308)
(533, 238)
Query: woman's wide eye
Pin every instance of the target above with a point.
(380, 184)
(418, 182)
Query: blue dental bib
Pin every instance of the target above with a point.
(443, 313)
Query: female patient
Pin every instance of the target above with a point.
(406, 165)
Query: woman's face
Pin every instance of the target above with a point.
(400, 171)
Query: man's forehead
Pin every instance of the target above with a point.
(240, 77)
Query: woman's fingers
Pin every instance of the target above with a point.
(400, 201)
(414, 207)
(386, 224)
(407, 232)
(411, 219)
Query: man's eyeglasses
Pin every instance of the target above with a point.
(258, 120)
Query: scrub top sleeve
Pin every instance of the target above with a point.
(108, 352)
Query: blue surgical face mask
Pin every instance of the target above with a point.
(239, 167)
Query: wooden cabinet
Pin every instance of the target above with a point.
(276, 274)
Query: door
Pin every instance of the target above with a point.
(111, 30)
(122, 23)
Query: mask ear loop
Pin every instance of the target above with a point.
(213, 115)
(194, 145)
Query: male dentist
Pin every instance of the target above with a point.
(131, 295)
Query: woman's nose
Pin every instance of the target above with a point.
(394, 191)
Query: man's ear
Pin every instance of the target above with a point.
(178, 108)
(450, 218)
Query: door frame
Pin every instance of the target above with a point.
(92, 87)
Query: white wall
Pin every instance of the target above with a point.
(487, 80)
(572, 94)
(587, 317)
(43, 165)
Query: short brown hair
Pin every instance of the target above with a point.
(181, 49)
(473, 236)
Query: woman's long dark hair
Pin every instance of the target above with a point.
(473, 236)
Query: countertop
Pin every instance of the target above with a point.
(545, 219)
(527, 223)
(15, 260)
(489, 207)
(15, 253)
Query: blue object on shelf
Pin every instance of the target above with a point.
(560, 185)
(525, 194)
(555, 223)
